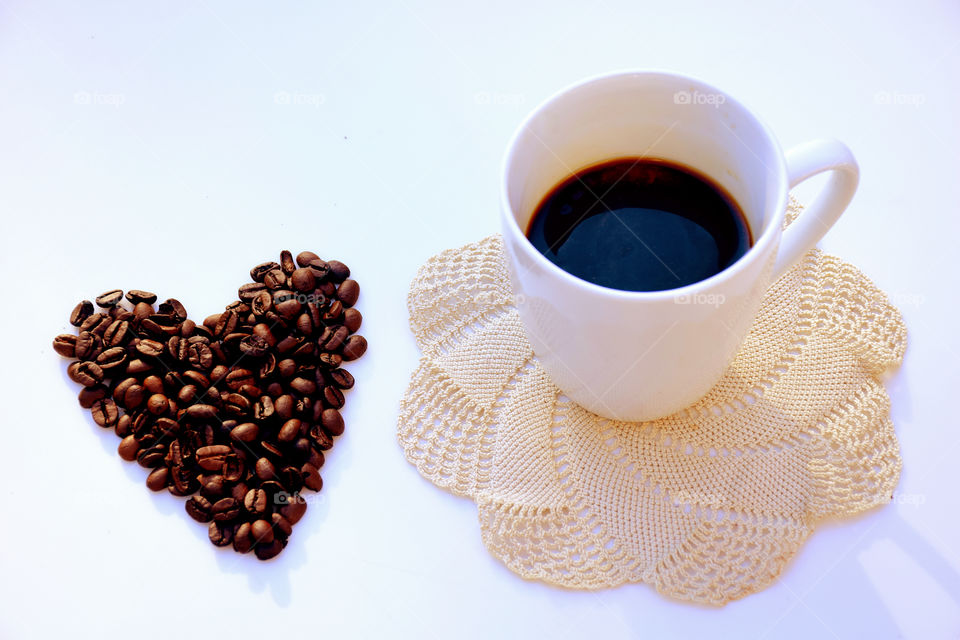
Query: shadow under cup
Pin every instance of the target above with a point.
(627, 354)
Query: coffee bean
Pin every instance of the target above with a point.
(150, 348)
(66, 345)
(112, 358)
(81, 312)
(304, 258)
(265, 469)
(128, 448)
(338, 271)
(320, 270)
(262, 531)
(332, 422)
(243, 538)
(303, 386)
(254, 346)
(342, 378)
(337, 339)
(246, 432)
(250, 290)
(87, 373)
(320, 437)
(173, 308)
(157, 404)
(294, 509)
(96, 323)
(199, 508)
(348, 292)
(200, 356)
(211, 457)
(221, 534)
(136, 296)
(258, 272)
(334, 312)
(303, 280)
(157, 480)
(117, 333)
(333, 397)
(89, 395)
(275, 279)
(354, 347)
(352, 319)
(289, 431)
(225, 509)
(105, 412)
(86, 345)
(152, 456)
(311, 477)
(269, 551)
(110, 299)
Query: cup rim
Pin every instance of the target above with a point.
(759, 248)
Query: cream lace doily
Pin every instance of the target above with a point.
(708, 504)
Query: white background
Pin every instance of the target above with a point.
(170, 148)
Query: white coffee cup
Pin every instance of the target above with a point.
(641, 355)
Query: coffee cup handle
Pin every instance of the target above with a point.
(806, 161)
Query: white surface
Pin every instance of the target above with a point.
(134, 136)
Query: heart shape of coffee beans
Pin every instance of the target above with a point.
(235, 412)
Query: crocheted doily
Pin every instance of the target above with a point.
(707, 504)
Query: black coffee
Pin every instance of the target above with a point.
(638, 224)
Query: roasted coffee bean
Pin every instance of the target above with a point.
(199, 508)
(311, 477)
(348, 292)
(354, 347)
(87, 345)
(338, 271)
(342, 378)
(87, 373)
(174, 308)
(246, 432)
(157, 480)
(263, 409)
(265, 469)
(289, 431)
(81, 312)
(268, 551)
(66, 345)
(259, 271)
(110, 299)
(330, 360)
(281, 526)
(96, 323)
(89, 395)
(262, 330)
(243, 538)
(352, 319)
(234, 468)
(112, 358)
(256, 502)
(262, 531)
(211, 457)
(320, 437)
(303, 280)
(275, 279)
(225, 324)
(153, 384)
(287, 263)
(225, 509)
(157, 404)
(128, 448)
(237, 378)
(138, 367)
(334, 312)
(200, 356)
(332, 397)
(332, 422)
(152, 456)
(320, 270)
(337, 339)
(304, 258)
(150, 348)
(136, 296)
(303, 386)
(220, 533)
(117, 333)
(105, 412)
(254, 346)
(247, 292)
(235, 404)
(294, 509)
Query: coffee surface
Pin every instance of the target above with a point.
(639, 224)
